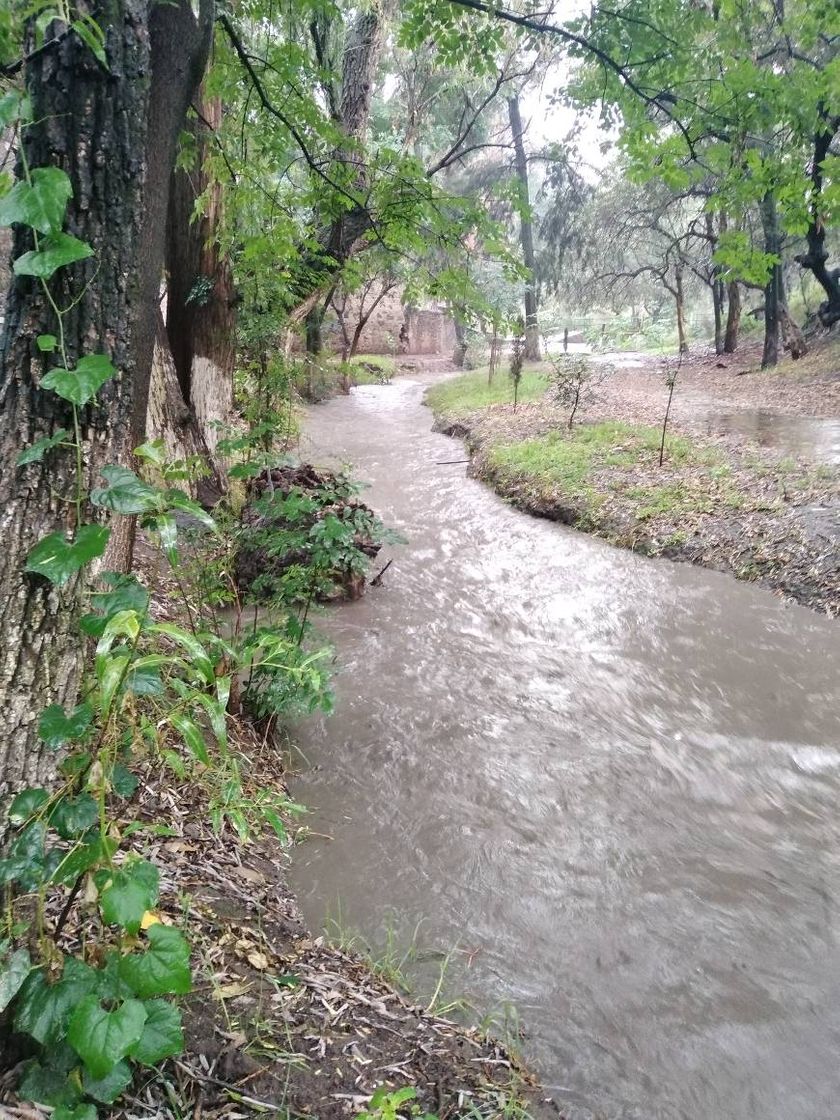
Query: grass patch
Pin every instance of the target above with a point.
(458, 396)
(618, 462)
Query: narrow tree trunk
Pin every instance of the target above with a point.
(200, 317)
(733, 317)
(773, 291)
(526, 234)
(364, 316)
(679, 299)
(459, 356)
(180, 46)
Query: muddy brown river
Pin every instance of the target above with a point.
(609, 786)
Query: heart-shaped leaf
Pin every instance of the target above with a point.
(58, 559)
(107, 1089)
(42, 1008)
(74, 815)
(102, 1038)
(125, 492)
(81, 384)
(125, 895)
(40, 204)
(56, 251)
(162, 1034)
(13, 971)
(37, 450)
(27, 802)
(55, 728)
(163, 969)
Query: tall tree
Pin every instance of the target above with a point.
(110, 124)
(526, 232)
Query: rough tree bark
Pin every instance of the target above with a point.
(93, 122)
(339, 239)
(526, 233)
(733, 317)
(200, 317)
(679, 297)
(180, 47)
(777, 318)
(816, 259)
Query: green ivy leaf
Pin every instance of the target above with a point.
(37, 450)
(103, 1038)
(123, 782)
(13, 973)
(46, 343)
(42, 1009)
(125, 895)
(40, 204)
(47, 1086)
(74, 815)
(56, 251)
(75, 1112)
(126, 594)
(27, 802)
(10, 108)
(163, 969)
(55, 728)
(107, 1089)
(162, 1035)
(82, 858)
(81, 384)
(125, 492)
(58, 559)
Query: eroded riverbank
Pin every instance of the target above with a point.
(607, 786)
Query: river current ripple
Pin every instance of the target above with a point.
(611, 785)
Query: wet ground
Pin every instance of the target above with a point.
(611, 785)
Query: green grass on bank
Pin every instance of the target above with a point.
(618, 463)
(469, 392)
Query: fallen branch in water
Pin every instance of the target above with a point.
(377, 579)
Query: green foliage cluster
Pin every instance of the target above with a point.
(156, 690)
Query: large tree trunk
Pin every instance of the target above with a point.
(200, 318)
(526, 233)
(777, 317)
(94, 122)
(180, 46)
(816, 259)
(733, 317)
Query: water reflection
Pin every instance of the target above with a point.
(612, 783)
(810, 436)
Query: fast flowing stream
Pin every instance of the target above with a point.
(610, 785)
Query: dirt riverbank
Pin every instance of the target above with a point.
(728, 496)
